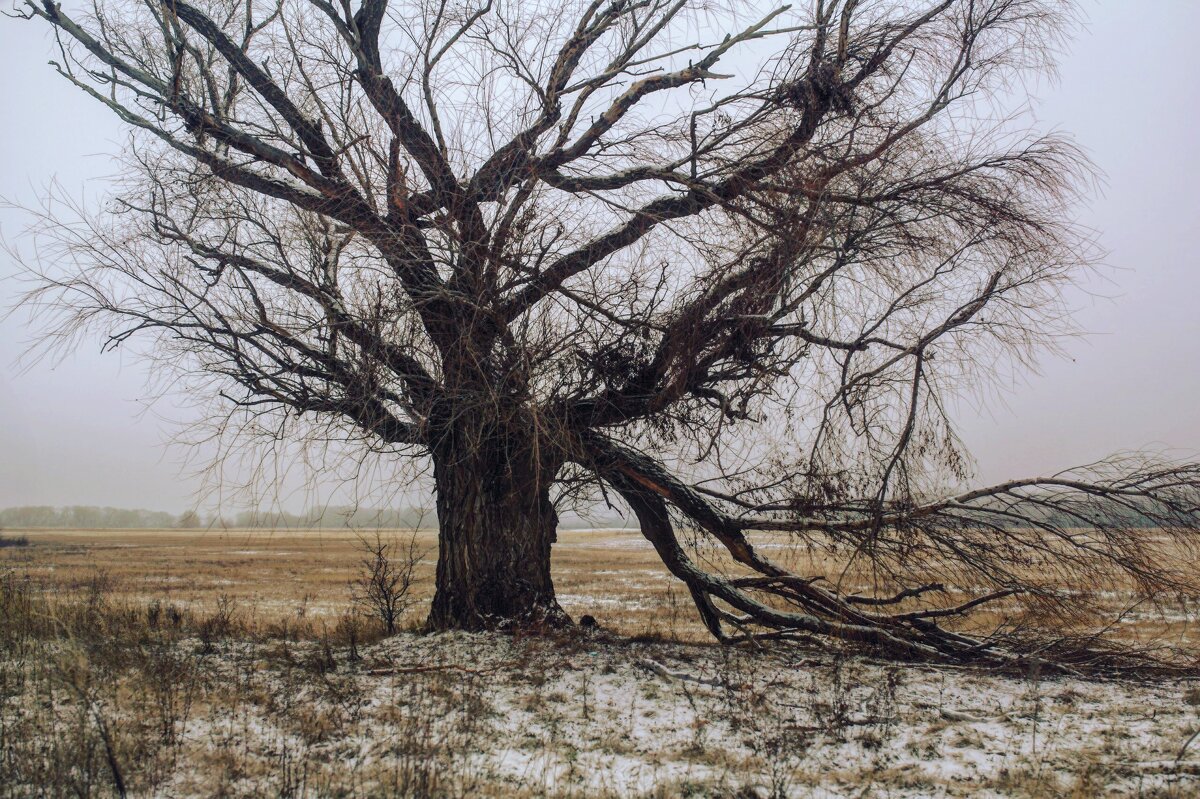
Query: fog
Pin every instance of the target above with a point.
(81, 431)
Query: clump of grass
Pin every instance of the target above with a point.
(93, 692)
(101, 695)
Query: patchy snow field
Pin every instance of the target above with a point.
(184, 664)
(490, 715)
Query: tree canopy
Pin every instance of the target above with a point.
(609, 251)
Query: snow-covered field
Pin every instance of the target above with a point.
(494, 715)
(226, 674)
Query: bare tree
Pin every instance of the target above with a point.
(581, 250)
(385, 580)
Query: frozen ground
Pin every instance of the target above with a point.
(490, 715)
(235, 673)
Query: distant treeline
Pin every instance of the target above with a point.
(84, 516)
(330, 518)
(368, 519)
(361, 518)
(92, 517)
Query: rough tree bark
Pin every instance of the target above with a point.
(496, 526)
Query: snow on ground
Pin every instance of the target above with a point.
(496, 715)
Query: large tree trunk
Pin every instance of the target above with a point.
(496, 528)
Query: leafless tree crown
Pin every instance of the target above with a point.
(730, 278)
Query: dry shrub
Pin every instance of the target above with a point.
(383, 587)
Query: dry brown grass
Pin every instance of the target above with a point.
(182, 663)
(301, 577)
(281, 575)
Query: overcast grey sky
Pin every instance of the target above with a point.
(79, 432)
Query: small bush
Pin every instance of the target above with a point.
(385, 579)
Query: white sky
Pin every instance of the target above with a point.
(79, 432)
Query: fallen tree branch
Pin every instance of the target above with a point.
(663, 671)
(383, 672)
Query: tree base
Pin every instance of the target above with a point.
(541, 618)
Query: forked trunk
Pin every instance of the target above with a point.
(496, 528)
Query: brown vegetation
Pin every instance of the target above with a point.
(118, 678)
(299, 579)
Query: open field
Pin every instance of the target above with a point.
(613, 575)
(231, 663)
